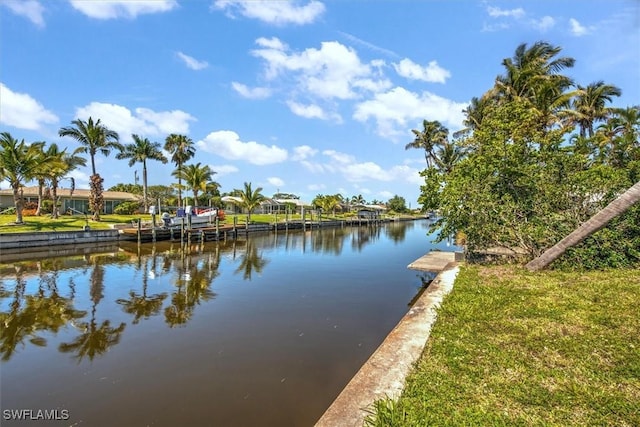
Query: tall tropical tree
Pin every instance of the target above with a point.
(196, 177)
(182, 149)
(432, 135)
(60, 164)
(250, 198)
(589, 106)
(447, 155)
(41, 173)
(140, 151)
(534, 74)
(93, 137)
(19, 162)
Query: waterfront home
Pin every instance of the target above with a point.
(78, 201)
(233, 205)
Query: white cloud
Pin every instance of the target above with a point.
(142, 121)
(543, 24)
(312, 167)
(251, 93)
(312, 111)
(191, 62)
(273, 12)
(20, 110)
(303, 152)
(496, 12)
(81, 179)
(386, 194)
(394, 109)
(333, 71)
(275, 181)
(431, 73)
(577, 29)
(111, 9)
(272, 43)
(30, 9)
(222, 170)
(227, 144)
(339, 157)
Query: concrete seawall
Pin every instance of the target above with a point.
(41, 239)
(383, 375)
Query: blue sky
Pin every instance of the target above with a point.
(305, 97)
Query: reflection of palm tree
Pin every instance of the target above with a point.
(142, 305)
(194, 281)
(251, 261)
(94, 340)
(40, 313)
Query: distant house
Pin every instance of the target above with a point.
(233, 205)
(78, 201)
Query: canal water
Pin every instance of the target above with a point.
(265, 330)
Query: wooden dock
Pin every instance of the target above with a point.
(435, 261)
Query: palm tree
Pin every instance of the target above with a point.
(617, 207)
(94, 138)
(61, 163)
(196, 177)
(181, 149)
(532, 68)
(141, 150)
(46, 162)
(533, 74)
(447, 155)
(19, 162)
(433, 134)
(250, 199)
(589, 105)
(358, 200)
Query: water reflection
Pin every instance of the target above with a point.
(31, 303)
(141, 305)
(265, 330)
(251, 261)
(44, 311)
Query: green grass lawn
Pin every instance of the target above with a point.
(64, 223)
(512, 348)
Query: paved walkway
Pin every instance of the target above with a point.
(385, 372)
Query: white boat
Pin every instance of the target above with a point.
(197, 218)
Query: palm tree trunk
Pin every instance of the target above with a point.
(144, 186)
(595, 223)
(40, 186)
(17, 200)
(54, 196)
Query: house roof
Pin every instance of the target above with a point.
(371, 207)
(80, 193)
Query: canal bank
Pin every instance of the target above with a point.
(383, 374)
(122, 232)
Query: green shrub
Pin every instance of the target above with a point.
(126, 208)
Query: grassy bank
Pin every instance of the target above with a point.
(515, 348)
